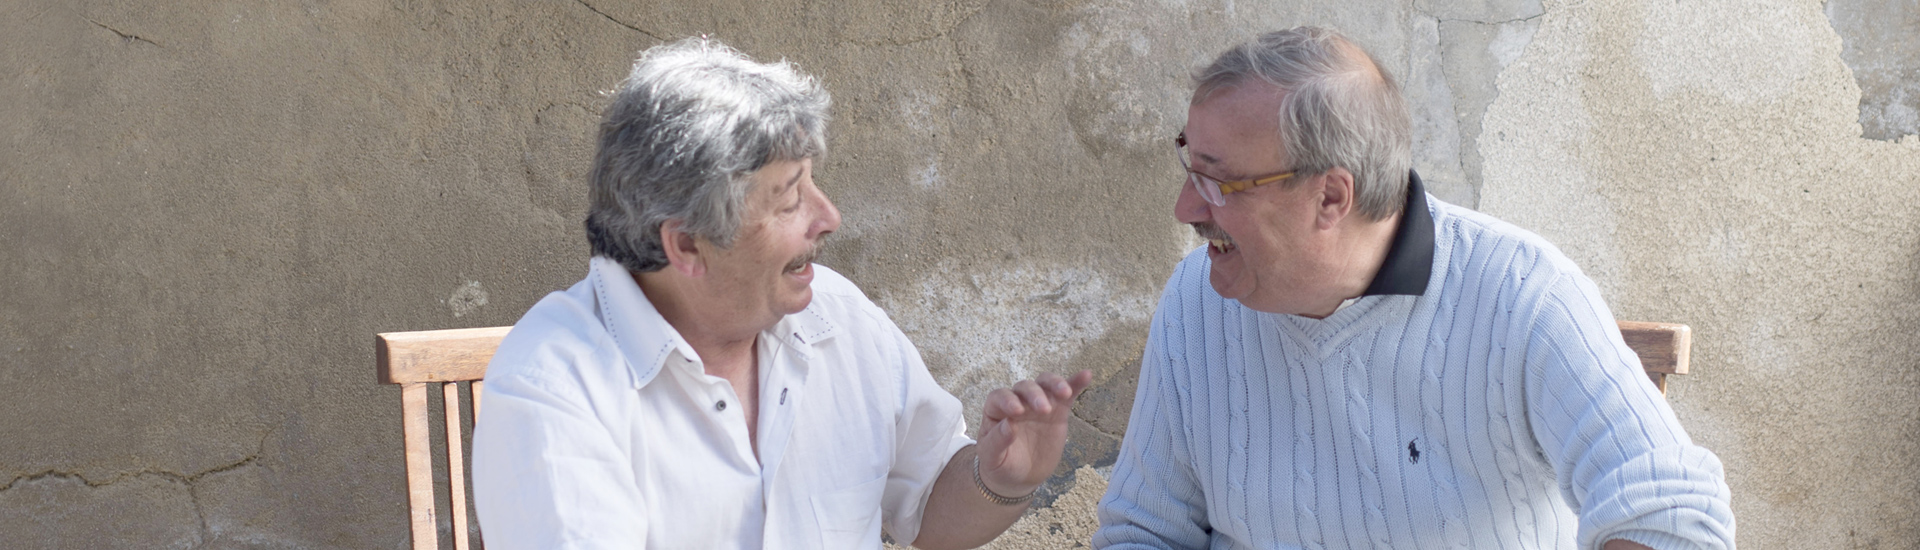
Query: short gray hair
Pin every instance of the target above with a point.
(692, 121)
(1340, 108)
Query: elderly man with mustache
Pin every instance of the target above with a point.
(707, 385)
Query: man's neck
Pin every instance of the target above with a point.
(1362, 249)
(725, 347)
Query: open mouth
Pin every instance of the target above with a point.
(799, 264)
(1218, 242)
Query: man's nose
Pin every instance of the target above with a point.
(1190, 207)
(827, 219)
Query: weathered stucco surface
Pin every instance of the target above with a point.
(1881, 43)
(207, 211)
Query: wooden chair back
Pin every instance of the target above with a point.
(1664, 348)
(424, 361)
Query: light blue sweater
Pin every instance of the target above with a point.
(1500, 409)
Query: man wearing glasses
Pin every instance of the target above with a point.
(1351, 363)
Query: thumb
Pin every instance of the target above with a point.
(995, 437)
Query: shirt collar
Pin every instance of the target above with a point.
(801, 331)
(1409, 260)
(643, 336)
(649, 342)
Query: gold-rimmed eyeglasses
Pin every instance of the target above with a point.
(1213, 190)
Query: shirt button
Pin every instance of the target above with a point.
(720, 405)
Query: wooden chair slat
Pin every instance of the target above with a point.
(476, 399)
(1662, 347)
(436, 355)
(413, 423)
(456, 464)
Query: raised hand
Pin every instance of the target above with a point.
(1025, 430)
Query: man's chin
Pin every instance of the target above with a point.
(796, 302)
(1223, 284)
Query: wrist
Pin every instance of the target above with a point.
(998, 497)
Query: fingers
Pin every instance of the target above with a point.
(1003, 403)
(1043, 396)
(1063, 390)
(1079, 383)
(1024, 398)
(1034, 397)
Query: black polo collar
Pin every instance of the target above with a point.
(1409, 260)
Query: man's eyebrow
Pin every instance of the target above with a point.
(795, 180)
(1214, 163)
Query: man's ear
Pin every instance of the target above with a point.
(1337, 198)
(683, 249)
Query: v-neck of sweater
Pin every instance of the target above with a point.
(1325, 337)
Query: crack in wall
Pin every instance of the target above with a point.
(619, 22)
(189, 480)
(939, 33)
(1093, 425)
(1489, 23)
(124, 37)
(123, 476)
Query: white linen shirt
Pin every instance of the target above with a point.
(601, 429)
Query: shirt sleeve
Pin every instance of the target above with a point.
(928, 430)
(1622, 460)
(546, 474)
(1154, 500)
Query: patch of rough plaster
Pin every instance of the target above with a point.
(917, 109)
(1474, 53)
(864, 22)
(1456, 52)
(43, 512)
(990, 328)
(1112, 109)
(467, 298)
(561, 137)
(1537, 165)
(1882, 46)
(1068, 523)
(1431, 103)
(1676, 55)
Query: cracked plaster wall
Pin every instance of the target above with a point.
(206, 212)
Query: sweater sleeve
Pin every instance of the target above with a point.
(1154, 499)
(1620, 456)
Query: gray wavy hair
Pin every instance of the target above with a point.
(686, 128)
(1340, 109)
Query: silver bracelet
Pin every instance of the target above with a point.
(995, 497)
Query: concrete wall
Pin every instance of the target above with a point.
(206, 212)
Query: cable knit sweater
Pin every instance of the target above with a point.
(1498, 409)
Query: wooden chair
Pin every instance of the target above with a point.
(1663, 348)
(423, 361)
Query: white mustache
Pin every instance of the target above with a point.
(804, 259)
(1210, 232)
